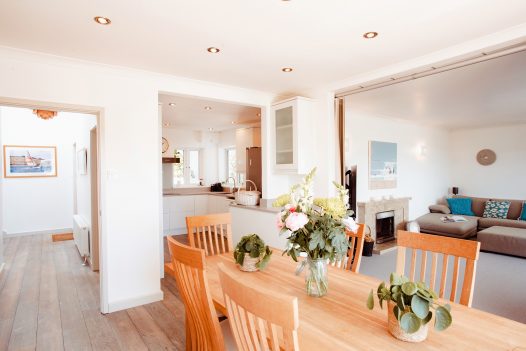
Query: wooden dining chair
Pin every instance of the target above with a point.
(445, 246)
(260, 318)
(203, 330)
(354, 254)
(212, 233)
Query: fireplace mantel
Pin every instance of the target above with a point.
(366, 212)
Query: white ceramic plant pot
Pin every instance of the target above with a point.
(399, 333)
(249, 264)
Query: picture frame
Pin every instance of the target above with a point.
(22, 161)
(383, 165)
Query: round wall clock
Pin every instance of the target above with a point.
(486, 157)
(166, 145)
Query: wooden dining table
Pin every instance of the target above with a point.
(341, 321)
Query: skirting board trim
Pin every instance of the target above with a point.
(41, 232)
(134, 302)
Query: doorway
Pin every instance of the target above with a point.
(70, 188)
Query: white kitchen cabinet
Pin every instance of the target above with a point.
(177, 208)
(293, 141)
(218, 204)
(200, 205)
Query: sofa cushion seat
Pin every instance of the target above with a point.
(431, 223)
(491, 222)
(507, 240)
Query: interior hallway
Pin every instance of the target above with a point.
(49, 301)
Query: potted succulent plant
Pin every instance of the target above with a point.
(409, 308)
(251, 253)
(368, 245)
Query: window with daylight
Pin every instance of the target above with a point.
(231, 162)
(186, 171)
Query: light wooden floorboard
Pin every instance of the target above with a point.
(10, 293)
(49, 301)
(49, 332)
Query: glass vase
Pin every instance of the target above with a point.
(316, 278)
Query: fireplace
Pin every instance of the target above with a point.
(385, 226)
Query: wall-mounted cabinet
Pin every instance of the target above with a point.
(292, 135)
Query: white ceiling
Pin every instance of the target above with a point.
(190, 113)
(487, 93)
(321, 40)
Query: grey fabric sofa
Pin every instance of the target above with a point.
(498, 235)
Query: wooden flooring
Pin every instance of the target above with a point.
(49, 301)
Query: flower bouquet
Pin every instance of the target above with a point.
(315, 228)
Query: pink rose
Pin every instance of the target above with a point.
(296, 221)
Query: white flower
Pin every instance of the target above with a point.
(296, 221)
(350, 224)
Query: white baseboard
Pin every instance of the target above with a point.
(41, 232)
(134, 302)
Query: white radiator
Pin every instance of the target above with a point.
(81, 236)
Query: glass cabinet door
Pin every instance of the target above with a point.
(284, 136)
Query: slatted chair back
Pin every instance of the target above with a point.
(354, 254)
(202, 325)
(260, 319)
(440, 245)
(212, 233)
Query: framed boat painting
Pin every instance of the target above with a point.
(30, 161)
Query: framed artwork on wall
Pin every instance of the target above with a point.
(383, 165)
(30, 161)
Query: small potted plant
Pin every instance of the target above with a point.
(251, 253)
(368, 244)
(409, 308)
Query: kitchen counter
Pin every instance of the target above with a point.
(186, 193)
(264, 206)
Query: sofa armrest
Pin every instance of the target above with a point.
(439, 209)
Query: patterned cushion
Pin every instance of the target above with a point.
(496, 209)
(523, 213)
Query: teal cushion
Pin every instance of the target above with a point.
(523, 213)
(496, 209)
(460, 206)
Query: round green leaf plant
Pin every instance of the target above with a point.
(255, 247)
(414, 302)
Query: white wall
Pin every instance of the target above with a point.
(425, 179)
(503, 179)
(45, 204)
(129, 154)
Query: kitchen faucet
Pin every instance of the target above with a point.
(234, 179)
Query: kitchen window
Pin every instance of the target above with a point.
(231, 162)
(186, 172)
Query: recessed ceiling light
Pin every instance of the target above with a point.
(233, 122)
(370, 35)
(171, 104)
(213, 50)
(102, 20)
(210, 129)
(287, 69)
(208, 108)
